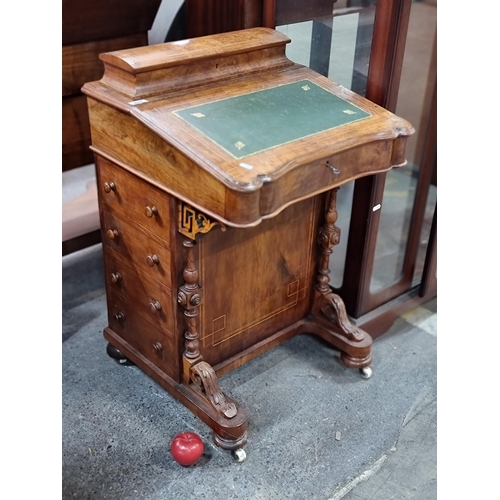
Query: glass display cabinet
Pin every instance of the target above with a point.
(384, 50)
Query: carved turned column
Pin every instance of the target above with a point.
(189, 297)
(327, 303)
(329, 236)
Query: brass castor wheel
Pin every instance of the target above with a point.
(239, 455)
(117, 355)
(366, 372)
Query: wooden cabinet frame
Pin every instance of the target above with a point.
(373, 311)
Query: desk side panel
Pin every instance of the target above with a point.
(123, 139)
(256, 281)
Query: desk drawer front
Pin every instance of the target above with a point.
(134, 197)
(156, 345)
(355, 162)
(136, 245)
(325, 174)
(152, 299)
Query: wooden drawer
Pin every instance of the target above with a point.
(152, 299)
(324, 174)
(138, 246)
(134, 197)
(157, 345)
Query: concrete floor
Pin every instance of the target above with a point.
(317, 430)
(117, 423)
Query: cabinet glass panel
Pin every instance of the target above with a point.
(430, 206)
(333, 38)
(418, 78)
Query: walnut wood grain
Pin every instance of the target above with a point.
(147, 205)
(236, 256)
(143, 291)
(141, 247)
(203, 375)
(230, 434)
(164, 158)
(189, 298)
(126, 321)
(158, 69)
(329, 305)
(278, 273)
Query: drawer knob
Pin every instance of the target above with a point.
(157, 348)
(155, 306)
(116, 277)
(112, 234)
(109, 186)
(150, 211)
(152, 260)
(119, 316)
(334, 169)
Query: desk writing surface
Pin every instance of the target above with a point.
(243, 151)
(258, 121)
(240, 135)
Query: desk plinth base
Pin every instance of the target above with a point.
(195, 383)
(230, 432)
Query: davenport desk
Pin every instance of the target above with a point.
(218, 161)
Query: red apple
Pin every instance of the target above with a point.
(187, 448)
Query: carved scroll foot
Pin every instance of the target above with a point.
(228, 443)
(333, 308)
(353, 362)
(352, 353)
(330, 319)
(203, 375)
(331, 322)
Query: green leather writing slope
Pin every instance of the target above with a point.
(257, 121)
(232, 127)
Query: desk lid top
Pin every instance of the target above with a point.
(238, 107)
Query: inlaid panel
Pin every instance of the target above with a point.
(254, 279)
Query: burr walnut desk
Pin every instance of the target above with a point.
(218, 161)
